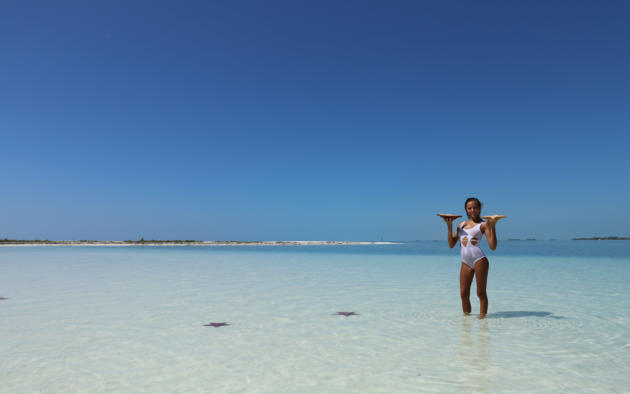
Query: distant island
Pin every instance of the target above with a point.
(188, 242)
(602, 239)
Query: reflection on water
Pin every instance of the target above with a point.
(477, 372)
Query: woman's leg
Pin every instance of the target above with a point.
(465, 280)
(481, 274)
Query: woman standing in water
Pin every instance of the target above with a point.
(474, 261)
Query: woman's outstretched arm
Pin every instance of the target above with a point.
(452, 239)
(491, 234)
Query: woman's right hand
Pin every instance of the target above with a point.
(449, 219)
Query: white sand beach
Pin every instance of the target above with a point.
(193, 243)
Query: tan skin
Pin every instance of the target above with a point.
(482, 266)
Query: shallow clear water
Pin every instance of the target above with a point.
(130, 319)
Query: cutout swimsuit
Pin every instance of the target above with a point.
(469, 240)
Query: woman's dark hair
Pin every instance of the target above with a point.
(469, 199)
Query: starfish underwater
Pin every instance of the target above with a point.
(346, 314)
(216, 324)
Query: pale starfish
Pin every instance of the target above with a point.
(493, 218)
(448, 216)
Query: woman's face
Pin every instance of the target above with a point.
(473, 209)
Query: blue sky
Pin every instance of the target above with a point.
(289, 120)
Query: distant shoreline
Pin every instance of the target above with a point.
(602, 239)
(7, 242)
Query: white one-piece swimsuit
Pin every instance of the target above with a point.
(469, 239)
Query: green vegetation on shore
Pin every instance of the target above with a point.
(152, 242)
(24, 241)
(141, 241)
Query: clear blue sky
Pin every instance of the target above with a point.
(344, 120)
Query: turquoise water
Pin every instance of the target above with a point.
(130, 319)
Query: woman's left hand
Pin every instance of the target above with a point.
(493, 219)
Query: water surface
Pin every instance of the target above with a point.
(130, 319)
